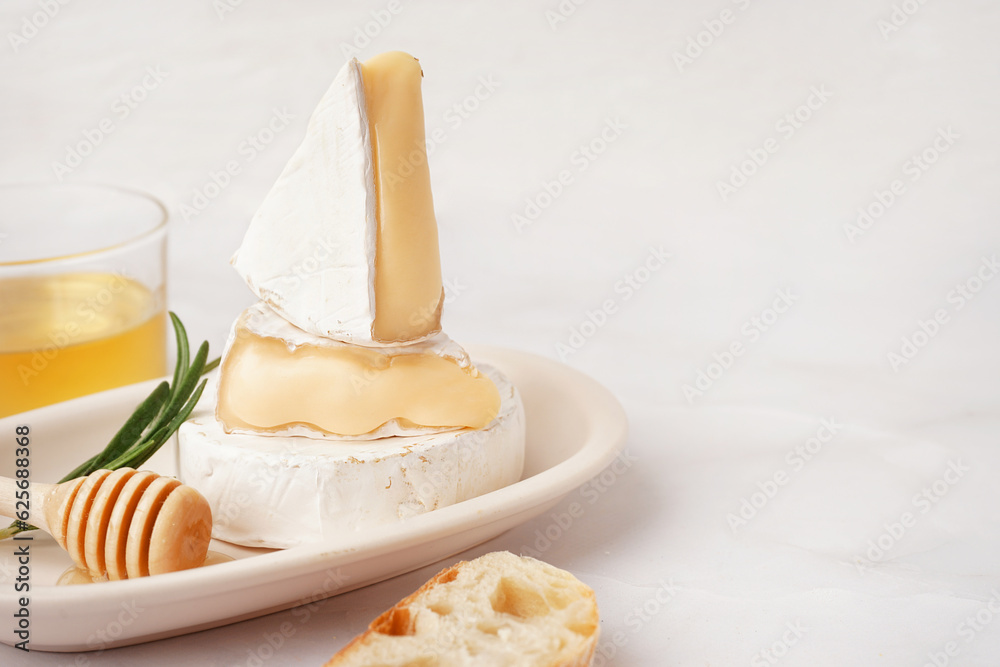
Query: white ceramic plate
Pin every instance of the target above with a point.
(575, 427)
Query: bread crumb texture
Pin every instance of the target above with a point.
(498, 610)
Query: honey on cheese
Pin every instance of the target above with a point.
(408, 289)
(275, 378)
(345, 244)
(280, 491)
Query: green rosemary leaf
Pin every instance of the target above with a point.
(190, 379)
(188, 408)
(144, 450)
(211, 366)
(13, 529)
(168, 421)
(181, 392)
(127, 435)
(131, 432)
(182, 349)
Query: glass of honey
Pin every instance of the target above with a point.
(82, 291)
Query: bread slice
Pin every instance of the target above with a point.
(497, 610)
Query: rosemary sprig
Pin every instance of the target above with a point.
(153, 422)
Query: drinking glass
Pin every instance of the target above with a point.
(82, 291)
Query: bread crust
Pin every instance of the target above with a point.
(376, 625)
(398, 620)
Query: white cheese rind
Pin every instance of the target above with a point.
(268, 491)
(309, 252)
(261, 320)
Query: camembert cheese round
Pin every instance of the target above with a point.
(283, 491)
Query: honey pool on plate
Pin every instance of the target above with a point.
(67, 335)
(74, 576)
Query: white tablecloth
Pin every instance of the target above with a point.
(770, 227)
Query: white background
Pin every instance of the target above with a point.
(888, 91)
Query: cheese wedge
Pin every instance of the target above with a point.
(345, 244)
(281, 491)
(278, 379)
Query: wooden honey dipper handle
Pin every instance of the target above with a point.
(121, 523)
(43, 497)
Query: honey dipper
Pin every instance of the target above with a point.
(123, 523)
